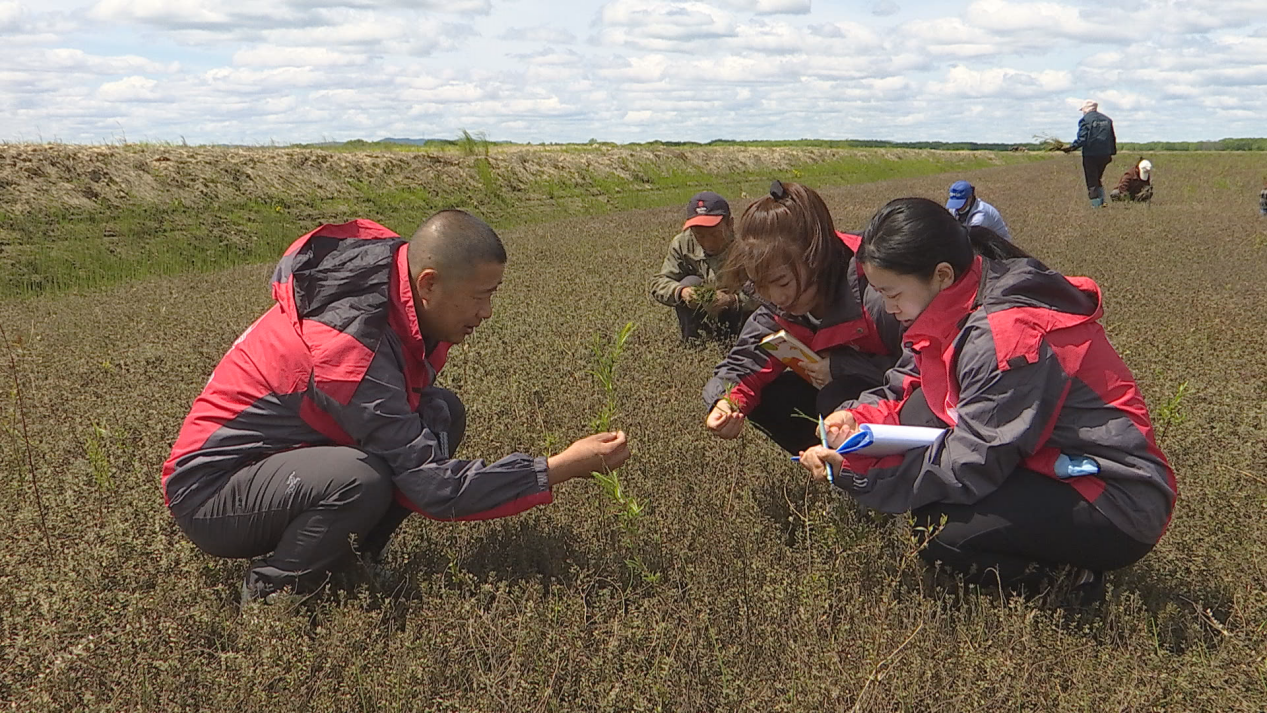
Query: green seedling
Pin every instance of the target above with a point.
(705, 295)
(606, 356)
(640, 568)
(1171, 413)
(98, 461)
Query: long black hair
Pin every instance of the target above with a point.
(912, 236)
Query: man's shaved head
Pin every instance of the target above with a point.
(451, 242)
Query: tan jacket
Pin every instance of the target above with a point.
(687, 258)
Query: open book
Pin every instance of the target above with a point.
(792, 352)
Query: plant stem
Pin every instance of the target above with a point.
(26, 439)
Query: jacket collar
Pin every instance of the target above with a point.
(940, 320)
(402, 315)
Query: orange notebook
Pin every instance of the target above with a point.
(792, 352)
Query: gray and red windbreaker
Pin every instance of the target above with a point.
(860, 337)
(340, 360)
(1013, 358)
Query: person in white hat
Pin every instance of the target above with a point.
(1098, 144)
(1136, 184)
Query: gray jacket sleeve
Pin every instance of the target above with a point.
(1003, 417)
(747, 368)
(848, 362)
(380, 421)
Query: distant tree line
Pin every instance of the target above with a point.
(1248, 144)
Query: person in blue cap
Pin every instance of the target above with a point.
(970, 210)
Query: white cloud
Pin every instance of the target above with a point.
(549, 56)
(1046, 18)
(541, 33)
(661, 25)
(962, 81)
(885, 8)
(74, 61)
(774, 7)
(129, 89)
(192, 14)
(266, 56)
(236, 71)
(11, 14)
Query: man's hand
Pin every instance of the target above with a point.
(725, 300)
(816, 460)
(840, 426)
(1067, 149)
(724, 420)
(687, 295)
(820, 374)
(600, 452)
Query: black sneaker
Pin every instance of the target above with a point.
(1089, 589)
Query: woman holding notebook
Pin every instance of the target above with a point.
(817, 313)
(1048, 460)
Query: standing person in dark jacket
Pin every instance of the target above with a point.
(693, 264)
(1048, 460)
(1098, 144)
(790, 250)
(326, 408)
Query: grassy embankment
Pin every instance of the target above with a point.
(75, 217)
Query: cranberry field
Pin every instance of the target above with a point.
(739, 586)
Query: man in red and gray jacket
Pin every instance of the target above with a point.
(326, 408)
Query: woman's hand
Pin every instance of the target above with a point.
(816, 460)
(820, 373)
(724, 420)
(840, 426)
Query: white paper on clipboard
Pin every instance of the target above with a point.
(878, 439)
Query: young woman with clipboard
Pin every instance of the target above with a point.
(1049, 459)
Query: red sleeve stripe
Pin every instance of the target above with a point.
(747, 393)
(514, 507)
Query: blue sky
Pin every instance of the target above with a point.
(255, 71)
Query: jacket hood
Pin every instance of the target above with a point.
(353, 277)
(1027, 283)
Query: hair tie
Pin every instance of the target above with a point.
(777, 191)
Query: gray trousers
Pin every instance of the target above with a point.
(301, 514)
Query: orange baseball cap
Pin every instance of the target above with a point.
(706, 209)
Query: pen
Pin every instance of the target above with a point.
(822, 430)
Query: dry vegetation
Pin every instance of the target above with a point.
(86, 216)
(763, 593)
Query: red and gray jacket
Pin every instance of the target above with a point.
(861, 339)
(340, 360)
(1013, 358)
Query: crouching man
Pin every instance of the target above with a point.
(322, 427)
(1136, 184)
(688, 279)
